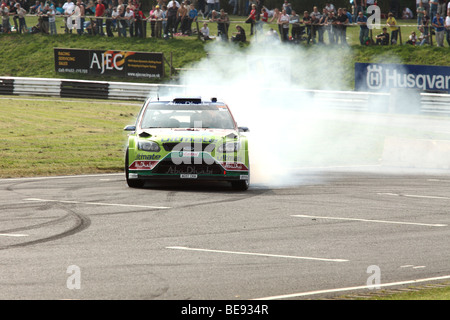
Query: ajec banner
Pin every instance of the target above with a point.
(384, 77)
(109, 62)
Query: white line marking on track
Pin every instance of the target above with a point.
(97, 203)
(256, 254)
(370, 220)
(311, 293)
(61, 177)
(13, 235)
(413, 196)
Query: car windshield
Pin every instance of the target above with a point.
(187, 116)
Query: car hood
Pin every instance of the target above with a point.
(178, 134)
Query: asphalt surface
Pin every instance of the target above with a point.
(334, 232)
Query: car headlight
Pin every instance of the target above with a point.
(229, 147)
(149, 146)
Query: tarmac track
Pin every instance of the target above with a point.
(333, 232)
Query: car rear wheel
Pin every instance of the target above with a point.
(241, 185)
(132, 183)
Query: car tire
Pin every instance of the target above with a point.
(241, 185)
(132, 183)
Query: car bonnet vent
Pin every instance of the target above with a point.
(187, 100)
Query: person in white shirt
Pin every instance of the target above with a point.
(205, 32)
(68, 8)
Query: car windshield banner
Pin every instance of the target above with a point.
(384, 77)
(110, 62)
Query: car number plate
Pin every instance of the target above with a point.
(188, 176)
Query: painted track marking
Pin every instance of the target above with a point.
(370, 220)
(311, 293)
(256, 254)
(97, 203)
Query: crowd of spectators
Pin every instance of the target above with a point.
(171, 17)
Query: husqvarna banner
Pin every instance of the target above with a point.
(109, 62)
(384, 77)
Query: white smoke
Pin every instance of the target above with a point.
(264, 85)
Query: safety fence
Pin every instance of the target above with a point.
(395, 101)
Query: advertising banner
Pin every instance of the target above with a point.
(109, 62)
(384, 77)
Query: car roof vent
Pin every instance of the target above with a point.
(187, 100)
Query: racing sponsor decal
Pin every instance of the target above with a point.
(143, 165)
(148, 156)
(234, 166)
(189, 170)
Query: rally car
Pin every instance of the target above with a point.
(186, 139)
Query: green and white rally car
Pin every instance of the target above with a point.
(186, 138)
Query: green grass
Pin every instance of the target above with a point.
(43, 137)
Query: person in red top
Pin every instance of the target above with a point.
(263, 18)
(99, 12)
(252, 18)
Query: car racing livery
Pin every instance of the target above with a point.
(186, 138)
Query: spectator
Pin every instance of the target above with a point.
(52, 21)
(109, 19)
(99, 12)
(43, 20)
(331, 27)
(447, 27)
(330, 7)
(433, 8)
(139, 20)
(284, 22)
(294, 20)
(307, 21)
(383, 38)
(412, 38)
(420, 11)
(315, 18)
(442, 7)
(21, 12)
(263, 19)
(287, 6)
(123, 22)
(68, 7)
(426, 25)
(392, 23)
(363, 29)
(34, 9)
(322, 25)
(407, 13)
(252, 18)
(192, 17)
(77, 16)
(423, 38)
(172, 9)
(209, 8)
(234, 5)
(129, 17)
(6, 28)
(342, 21)
(205, 32)
(438, 24)
(239, 35)
(223, 23)
(158, 16)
